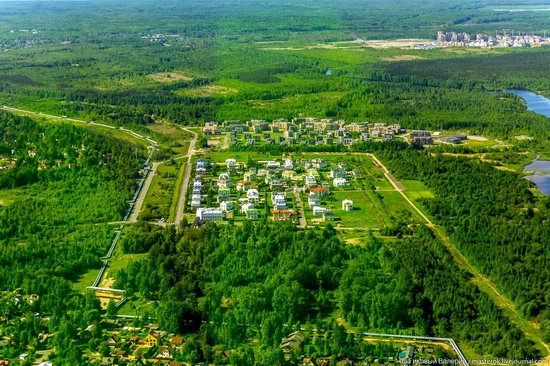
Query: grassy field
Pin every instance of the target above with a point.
(159, 200)
(172, 137)
(365, 214)
(85, 280)
(10, 196)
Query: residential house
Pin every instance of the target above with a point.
(227, 205)
(347, 205)
(339, 182)
(152, 338)
(338, 173)
(247, 207)
(253, 195)
(279, 201)
(224, 181)
(166, 352)
(328, 215)
(313, 200)
(177, 341)
(288, 165)
(201, 163)
(196, 200)
(318, 211)
(284, 215)
(276, 184)
(251, 214)
(224, 194)
(211, 128)
(321, 191)
(273, 164)
(318, 163)
(293, 342)
(243, 186)
(310, 181)
(249, 177)
(230, 163)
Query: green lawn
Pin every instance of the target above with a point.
(85, 280)
(10, 196)
(160, 197)
(365, 214)
(396, 206)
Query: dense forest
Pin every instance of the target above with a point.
(493, 218)
(231, 287)
(68, 184)
(64, 184)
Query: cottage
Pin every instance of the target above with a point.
(328, 215)
(252, 195)
(321, 191)
(318, 211)
(247, 207)
(283, 215)
(339, 182)
(230, 163)
(313, 200)
(249, 177)
(279, 201)
(338, 173)
(310, 181)
(152, 338)
(252, 214)
(273, 165)
(318, 163)
(227, 205)
(289, 165)
(347, 205)
(224, 194)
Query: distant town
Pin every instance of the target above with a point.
(454, 39)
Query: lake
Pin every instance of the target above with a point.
(536, 103)
(541, 177)
(539, 104)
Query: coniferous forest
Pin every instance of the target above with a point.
(451, 241)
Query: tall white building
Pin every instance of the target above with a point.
(210, 214)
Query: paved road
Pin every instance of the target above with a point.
(303, 221)
(143, 193)
(185, 182)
